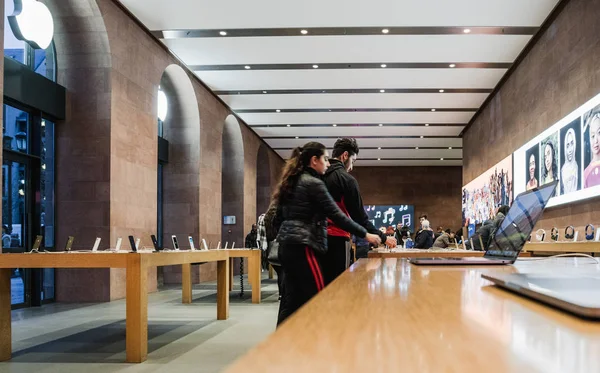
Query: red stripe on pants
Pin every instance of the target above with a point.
(314, 267)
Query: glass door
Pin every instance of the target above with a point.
(14, 222)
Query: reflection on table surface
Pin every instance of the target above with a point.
(386, 315)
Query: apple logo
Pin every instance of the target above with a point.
(32, 22)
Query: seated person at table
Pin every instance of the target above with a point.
(402, 234)
(443, 241)
(488, 229)
(424, 239)
(440, 231)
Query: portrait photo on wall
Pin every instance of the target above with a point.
(570, 155)
(532, 170)
(591, 147)
(549, 160)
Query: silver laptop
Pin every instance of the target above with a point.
(578, 294)
(512, 234)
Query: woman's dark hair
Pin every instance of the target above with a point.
(294, 166)
(503, 209)
(347, 144)
(554, 166)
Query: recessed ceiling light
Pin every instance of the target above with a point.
(315, 66)
(417, 148)
(223, 33)
(279, 111)
(385, 31)
(383, 65)
(297, 137)
(441, 91)
(432, 109)
(247, 67)
(467, 30)
(288, 125)
(378, 159)
(335, 125)
(382, 91)
(264, 91)
(452, 65)
(304, 32)
(441, 159)
(421, 136)
(450, 147)
(380, 125)
(426, 124)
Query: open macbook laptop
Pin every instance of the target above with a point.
(512, 234)
(578, 294)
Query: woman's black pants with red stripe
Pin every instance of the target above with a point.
(302, 278)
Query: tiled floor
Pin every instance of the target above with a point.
(182, 338)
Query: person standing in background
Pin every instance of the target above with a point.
(251, 242)
(345, 192)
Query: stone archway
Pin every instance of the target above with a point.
(263, 180)
(232, 183)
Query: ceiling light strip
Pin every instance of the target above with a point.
(342, 31)
(358, 65)
(354, 125)
(355, 110)
(350, 91)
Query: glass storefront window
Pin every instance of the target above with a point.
(15, 130)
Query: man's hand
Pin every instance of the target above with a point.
(391, 242)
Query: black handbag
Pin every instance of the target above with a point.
(273, 253)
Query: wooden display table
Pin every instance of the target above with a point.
(136, 265)
(254, 269)
(387, 315)
(564, 247)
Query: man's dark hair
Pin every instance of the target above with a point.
(347, 144)
(424, 216)
(448, 231)
(503, 209)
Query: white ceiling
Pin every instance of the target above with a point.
(308, 113)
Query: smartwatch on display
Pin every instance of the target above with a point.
(554, 234)
(540, 235)
(590, 231)
(569, 232)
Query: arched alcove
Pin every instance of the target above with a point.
(181, 172)
(232, 183)
(263, 180)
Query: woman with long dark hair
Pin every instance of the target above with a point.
(550, 166)
(304, 204)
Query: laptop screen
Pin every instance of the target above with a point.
(524, 213)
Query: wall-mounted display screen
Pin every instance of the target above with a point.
(568, 151)
(482, 196)
(385, 216)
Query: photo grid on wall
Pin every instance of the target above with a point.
(568, 151)
(482, 196)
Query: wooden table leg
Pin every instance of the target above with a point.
(222, 289)
(137, 309)
(186, 283)
(254, 274)
(230, 273)
(5, 318)
(271, 274)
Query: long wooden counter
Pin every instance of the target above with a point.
(438, 253)
(564, 247)
(136, 265)
(386, 315)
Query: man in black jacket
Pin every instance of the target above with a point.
(344, 190)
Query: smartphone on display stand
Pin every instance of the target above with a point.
(155, 243)
(69, 244)
(36, 244)
(132, 243)
(175, 243)
(192, 247)
(118, 245)
(204, 244)
(233, 245)
(226, 243)
(96, 244)
(219, 246)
